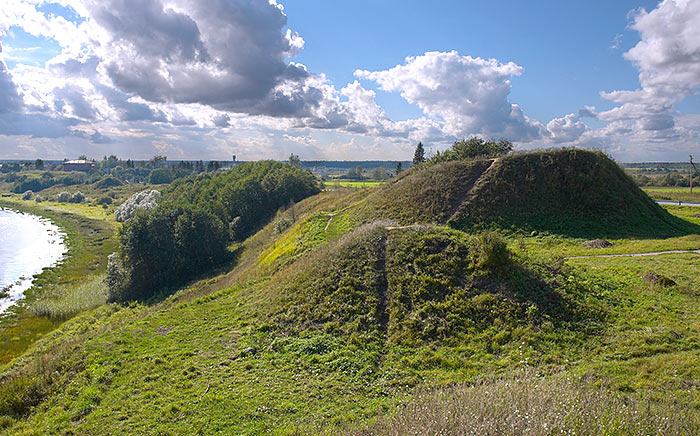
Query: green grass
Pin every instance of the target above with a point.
(653, 342)
(313, 231)
(327, 330)
(668, 189)
(552, 244)
(313, 365)
(190, 361)
(63, 302)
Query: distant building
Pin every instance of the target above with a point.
(79, 165)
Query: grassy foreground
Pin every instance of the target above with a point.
(533, 405)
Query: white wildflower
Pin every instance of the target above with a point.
(145, 200)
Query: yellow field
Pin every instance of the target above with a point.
(353, 183)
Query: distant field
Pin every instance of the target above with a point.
(354, 183)
(672, 189)
(673, 193)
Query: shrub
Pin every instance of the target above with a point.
(25, 183)
(145, 200)
(282, 224)
(78, 197)
(63, 197)
(27, 195)
(117, 279)
(105, 200)
(491, 252)
(39, 199)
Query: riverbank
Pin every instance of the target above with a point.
(28, 244)
(90, 236)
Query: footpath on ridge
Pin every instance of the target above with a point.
(651, 253)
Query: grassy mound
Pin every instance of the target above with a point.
(424, 195)
(419, 285)
(341, 287)
(573, 192)
(444, 286)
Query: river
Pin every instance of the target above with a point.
(28, 244)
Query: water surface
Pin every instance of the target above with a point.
(28, 244)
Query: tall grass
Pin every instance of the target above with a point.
(527, 404)
(66, 301)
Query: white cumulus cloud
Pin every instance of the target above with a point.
(668, 60)
(466, 95)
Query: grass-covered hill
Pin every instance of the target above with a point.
(570, 191)
(344, 311)
(574, 192)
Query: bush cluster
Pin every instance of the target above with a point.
(27, 182)
(474, 147)
(189, 230)
(161, 176)
(63, 197)
(77, 197)
(253, 192)
(162, 248)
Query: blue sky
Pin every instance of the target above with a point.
(346, 80)
(564, 47)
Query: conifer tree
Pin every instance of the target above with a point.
(419, 155)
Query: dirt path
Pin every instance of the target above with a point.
(677, 203)
(652, 253)
(330, 218)
(478, 182)
(382, 287)
(412, 226)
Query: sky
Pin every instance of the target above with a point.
(360, 80)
